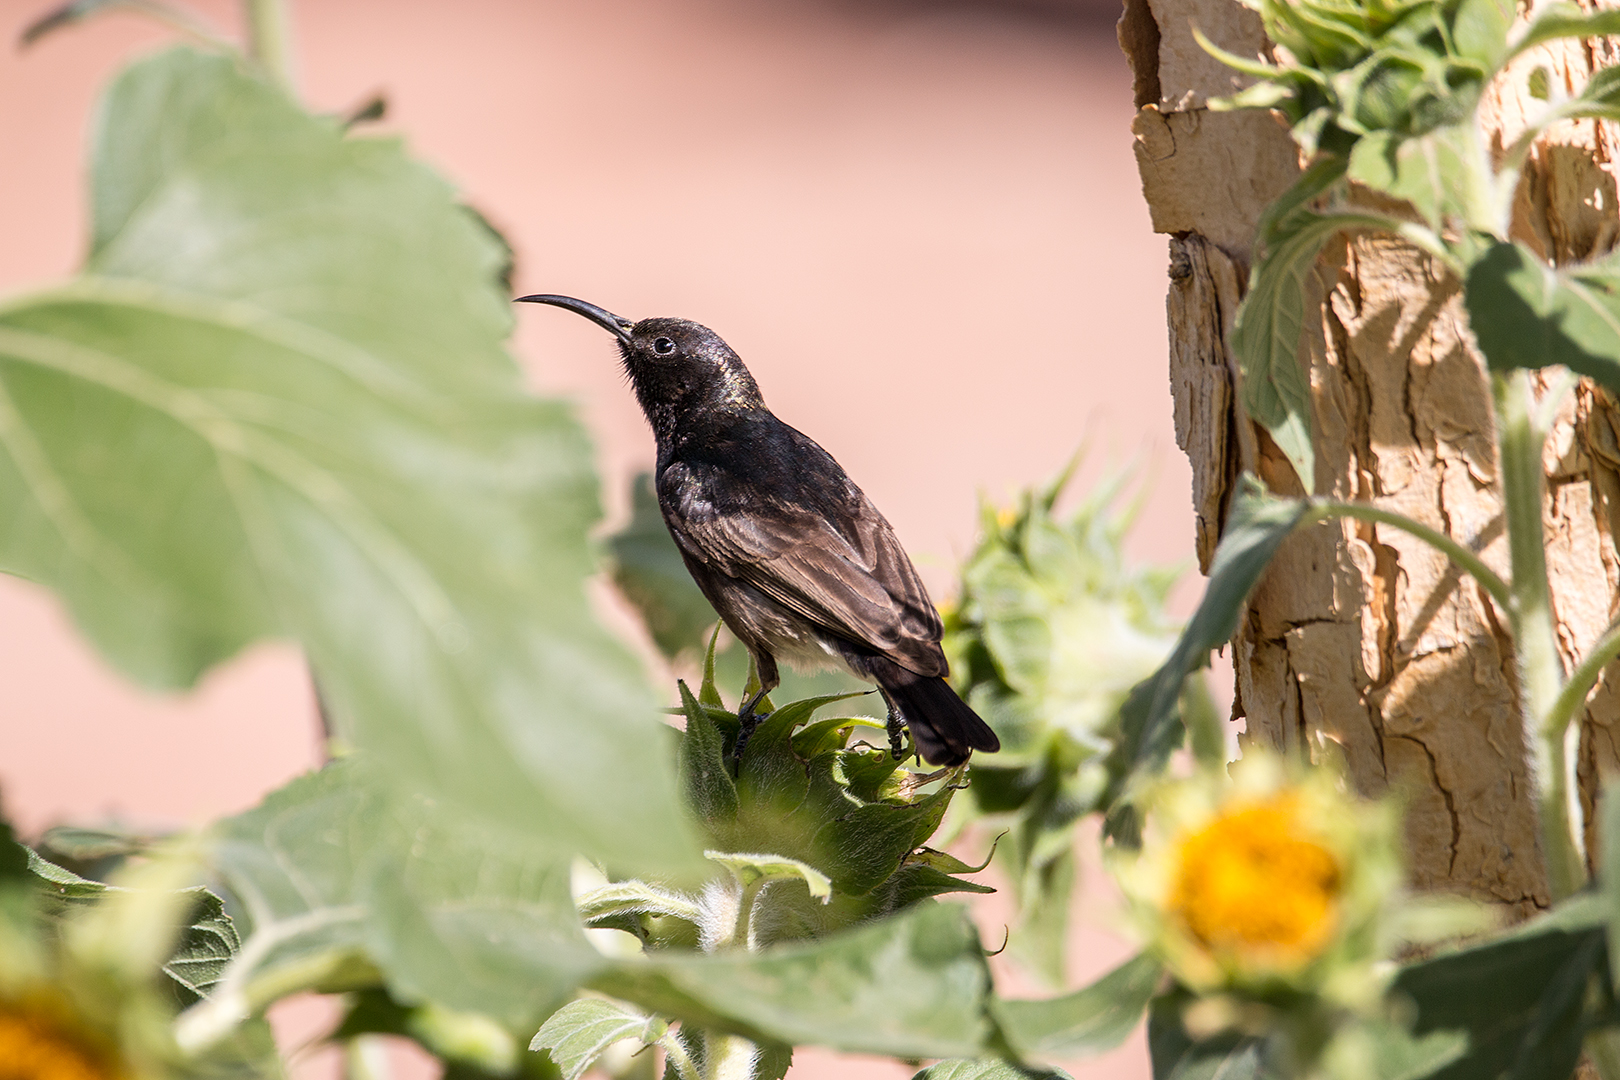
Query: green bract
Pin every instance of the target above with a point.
(813, 832)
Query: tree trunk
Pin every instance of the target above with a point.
(1360, 635)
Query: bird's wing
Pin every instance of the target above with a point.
(840, 567)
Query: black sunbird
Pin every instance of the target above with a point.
(795, 558)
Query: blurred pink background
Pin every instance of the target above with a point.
(919, 223)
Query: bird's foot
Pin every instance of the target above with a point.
(896, 727)
(747, 721)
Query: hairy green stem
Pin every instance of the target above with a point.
(1449, 546)
(745, 912)
(1541, 675)
(728, 1057)
(270, 39)
(1487, 202)
(1583, 678)
(675, 1053)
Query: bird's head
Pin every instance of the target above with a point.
(680, 370)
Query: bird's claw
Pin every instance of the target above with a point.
(896, 726)
(747, 721)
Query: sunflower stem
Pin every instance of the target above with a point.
(269, 34)
(675, 1053)
(1553, 754)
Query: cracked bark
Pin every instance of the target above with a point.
(1361, 640)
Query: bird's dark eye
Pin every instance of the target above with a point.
(663, 346)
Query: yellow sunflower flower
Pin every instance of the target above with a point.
(1268, 879)
(1258, 880)
(38, 1043)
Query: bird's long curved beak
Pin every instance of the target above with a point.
(616, 325)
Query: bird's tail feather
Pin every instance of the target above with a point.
(942, 725)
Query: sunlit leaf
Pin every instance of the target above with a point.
(1266, 337)
(1599, 98)
(1479, 29)
(1429, 171)
(1266, 340)
(1277, 222)
(578, 1033)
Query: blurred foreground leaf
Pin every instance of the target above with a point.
(914, 985)
(91, 974)
(277, 404)
(1177, 1055)
(344, 884)
(1522, 1001)
(471, 1045)
(1428, 171)
(1089, 1021)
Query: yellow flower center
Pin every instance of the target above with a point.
(33, 1046)
(1256, 885)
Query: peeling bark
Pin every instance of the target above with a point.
(1362, 641)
